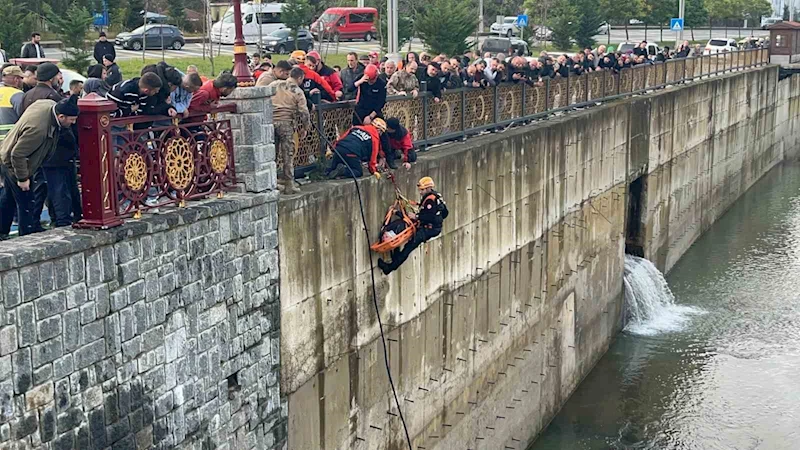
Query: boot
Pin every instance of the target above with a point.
(384, 266)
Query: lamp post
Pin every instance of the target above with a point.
(240, 68)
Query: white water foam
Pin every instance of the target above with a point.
(649, 303)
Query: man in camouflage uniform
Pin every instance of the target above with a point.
(289, 113)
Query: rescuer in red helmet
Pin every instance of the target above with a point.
(370, 98)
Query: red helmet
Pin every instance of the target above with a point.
(371, 71)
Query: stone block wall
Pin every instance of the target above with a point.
(162, 333)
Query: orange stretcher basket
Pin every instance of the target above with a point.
(401, 206)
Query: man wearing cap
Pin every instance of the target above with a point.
(103, 47)
(11, 95)
(374, 58)
(371, 96)
(48, 85)
(113, 73)
(432, 212)
(27, 146)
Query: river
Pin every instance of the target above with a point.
(726, 374)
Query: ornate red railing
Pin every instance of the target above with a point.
(132, 164)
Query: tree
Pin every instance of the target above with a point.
(563, 22)
(297, 14)
(660, 12)
(722, 10)
(405, 31)
(587, 22)
(786, 12)
(15, 26)
(754, 10)
(445, 25)
(695, 14)
(72, 28)
(133, 18)
(177, 12)
(624, 11)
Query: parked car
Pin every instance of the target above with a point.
(154, 36)
(603, 28)
(507, 46)
(508, 27)
(543, 33)
(767, 21)
(720, 45)
(282, 41)
(346, 23)
(266, 16)
(635, 22)
(652, 48)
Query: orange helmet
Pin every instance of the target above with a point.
(299, 56)
(425, 183)
(371, 71)
(380, 124)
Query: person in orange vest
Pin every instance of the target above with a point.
(432, 212)
(359, 143)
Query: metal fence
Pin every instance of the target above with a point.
(465, 111)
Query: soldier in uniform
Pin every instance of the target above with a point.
(290, 113)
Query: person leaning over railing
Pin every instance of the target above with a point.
(23, 151)
(400, 142)
(327, 74)
(289, 114)
(207, 97)
(131, 95)
(434, 85)
(404, 82)
(279, 72)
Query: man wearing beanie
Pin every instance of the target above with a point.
(103, 47)
(113, 74)
(48, 85)
(32, 141)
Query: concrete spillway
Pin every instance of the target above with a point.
(492, 325)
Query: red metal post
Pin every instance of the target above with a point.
(240, 68)
(98, 195)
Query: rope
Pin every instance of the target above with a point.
(372, 275)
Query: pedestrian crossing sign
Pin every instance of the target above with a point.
(676, 24)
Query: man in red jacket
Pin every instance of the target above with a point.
(400, 141)
(312, 82)
(207, 97)
(314, 60)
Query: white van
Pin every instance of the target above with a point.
(267, 15)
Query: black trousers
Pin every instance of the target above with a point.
(400, 256)
(349, 160)
(27, 204)
(60, 189)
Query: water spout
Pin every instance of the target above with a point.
(650, 307)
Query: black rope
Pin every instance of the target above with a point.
(372, 275)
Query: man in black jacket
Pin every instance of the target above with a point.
(48, 85)
(33, 49)
(371, 97)
(103, 47)
(434, 84)
(432, 212)
(113, 74)
(159, 104)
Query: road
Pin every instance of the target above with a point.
(617, 36)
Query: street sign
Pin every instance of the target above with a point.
(676, 24)
(522, 20)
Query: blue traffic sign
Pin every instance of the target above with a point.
(676, 24)
(522, 20)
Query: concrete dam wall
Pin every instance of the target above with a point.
(491, 326)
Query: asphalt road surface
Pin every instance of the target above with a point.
(617, 36)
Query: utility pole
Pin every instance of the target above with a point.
(360, 3)
(480, 16)
(679, 34)
(391, 32)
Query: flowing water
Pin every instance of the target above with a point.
(709, 358)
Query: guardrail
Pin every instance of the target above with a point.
(465, 111)
(132, 164)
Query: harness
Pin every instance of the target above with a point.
(401, 206)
